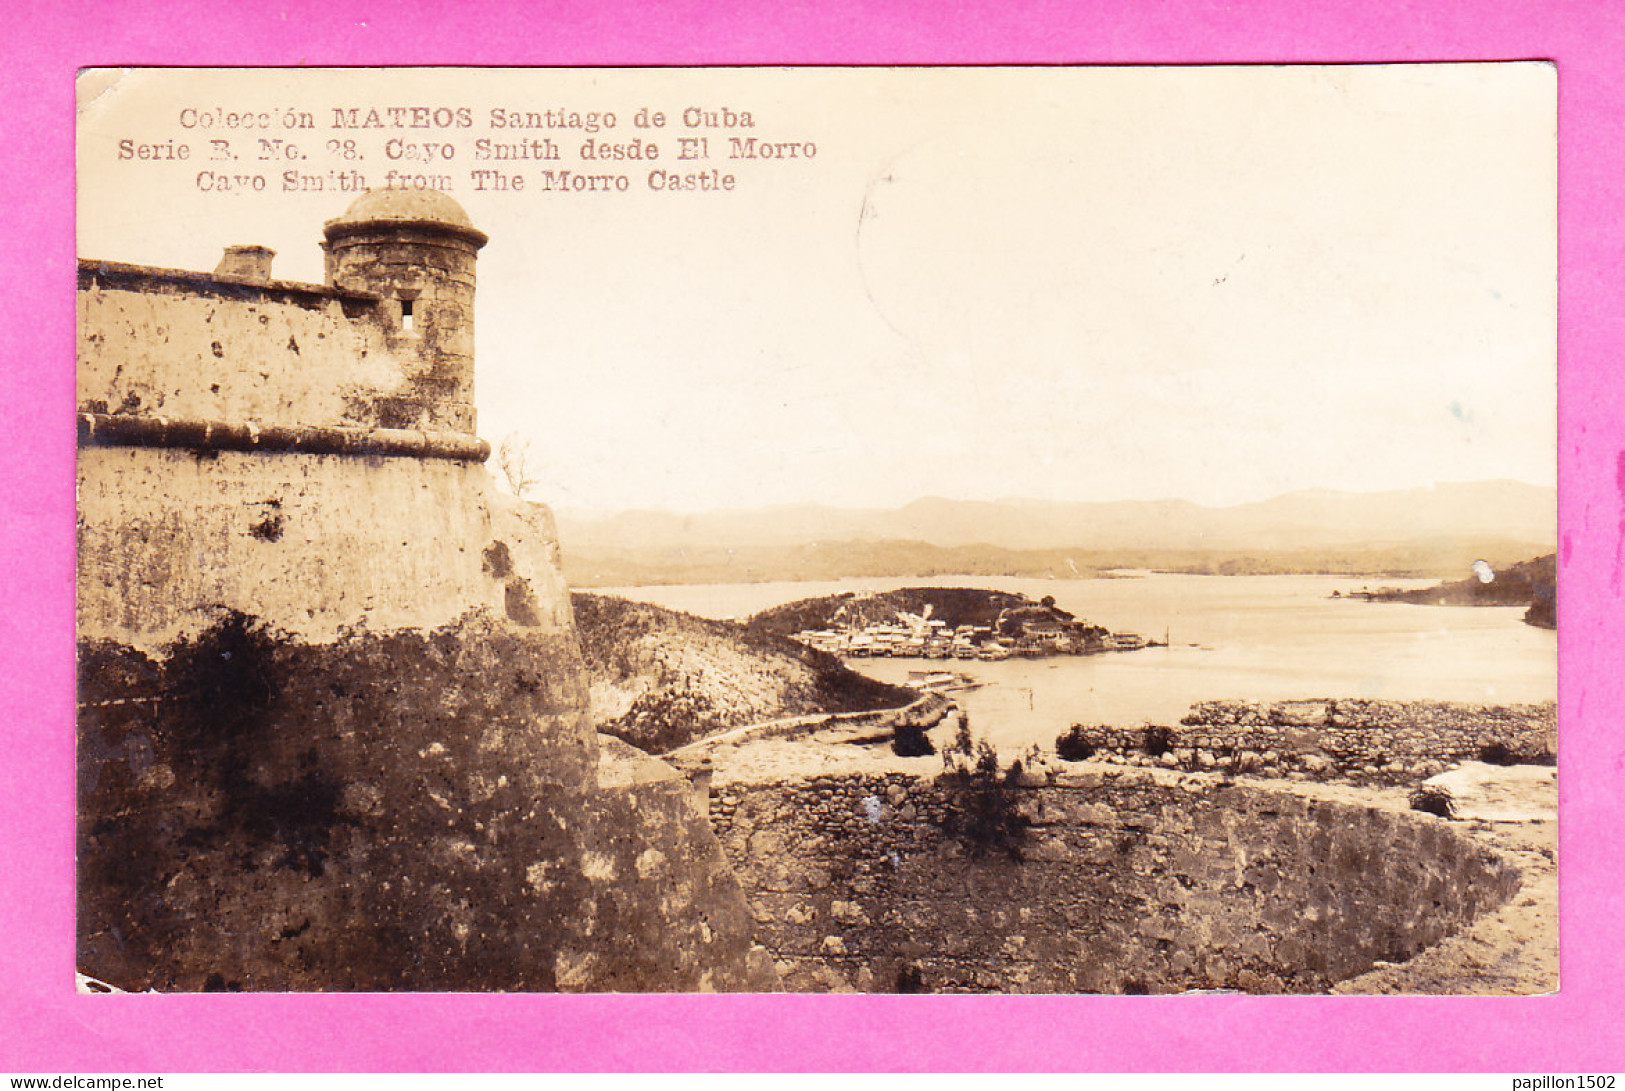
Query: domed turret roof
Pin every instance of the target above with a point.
(414, 206)
(406, 204)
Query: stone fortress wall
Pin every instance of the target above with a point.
(332, 717)
(1125, 885)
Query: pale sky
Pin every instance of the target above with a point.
(1215, 284)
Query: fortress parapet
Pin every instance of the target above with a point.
(387, 342)
(301, 453)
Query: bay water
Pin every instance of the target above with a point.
(1255, 638)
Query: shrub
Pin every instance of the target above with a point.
(1245, 764)
(1433, 799)
(910, 741)
(1157, 740)
(1498, 753)
(982, 810)
(910, 980)
(963, 747)
(1074, 745)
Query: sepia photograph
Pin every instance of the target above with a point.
(999, 530)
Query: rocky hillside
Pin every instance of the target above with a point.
(660, 678)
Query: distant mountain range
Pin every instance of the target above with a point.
(1423, 531)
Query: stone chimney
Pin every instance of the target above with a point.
(252, 262)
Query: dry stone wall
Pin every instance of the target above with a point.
(1125, 885)
(1365, 741)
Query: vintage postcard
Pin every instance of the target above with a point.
(998, 530)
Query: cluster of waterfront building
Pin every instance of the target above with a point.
(933, 639)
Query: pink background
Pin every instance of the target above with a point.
(45, 1026)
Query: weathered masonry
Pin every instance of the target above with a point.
(332, 729)
(1127, 885)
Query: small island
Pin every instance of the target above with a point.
(941, 623)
